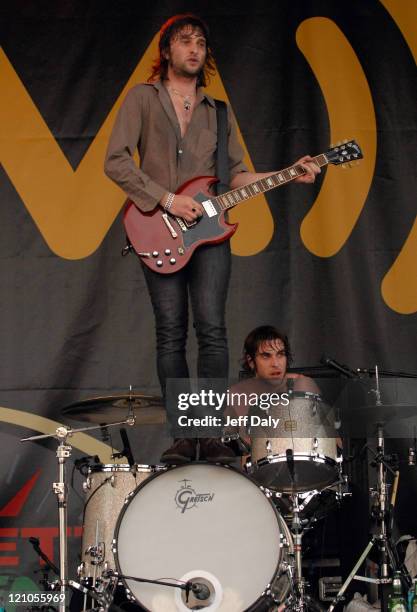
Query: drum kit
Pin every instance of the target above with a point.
(203, 536)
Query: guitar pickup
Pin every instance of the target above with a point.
(169, 226)
(209, 208)
(181, 223)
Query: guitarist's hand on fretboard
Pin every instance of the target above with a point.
(311, 168)
(184, 206)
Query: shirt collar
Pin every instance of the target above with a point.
(201, 94)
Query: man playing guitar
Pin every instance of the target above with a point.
(172, 122)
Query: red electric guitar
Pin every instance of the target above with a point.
(165, 243)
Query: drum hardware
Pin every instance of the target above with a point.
(97, 553)
(200, 590)
(313, 505)
(412, 451)
(341, 368)
(329, 586)
(237, 443)
(384, 511)
(126, 450)
(299, 600)
(102, 594)
(60, 489)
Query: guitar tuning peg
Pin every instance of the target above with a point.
(344, 166)
(350, 165)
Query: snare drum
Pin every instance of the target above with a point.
(106, 487)
(209, 524)
(301, 453)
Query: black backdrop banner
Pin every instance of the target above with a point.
(334, 264)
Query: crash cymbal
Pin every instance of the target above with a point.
(148, 409)
(384, 413)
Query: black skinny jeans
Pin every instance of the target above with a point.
(206, 279)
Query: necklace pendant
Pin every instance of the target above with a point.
(187, 105)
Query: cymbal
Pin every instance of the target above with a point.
(148, 409)
(383, 413)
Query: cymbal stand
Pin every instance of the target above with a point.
(60, 489)
(388, 558)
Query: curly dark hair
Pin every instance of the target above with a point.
(169, 30)
(264, 333)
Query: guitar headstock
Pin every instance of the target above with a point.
(344, 153)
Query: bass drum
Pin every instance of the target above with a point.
(208, 524)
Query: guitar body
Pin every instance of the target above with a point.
(166, 243)
(167, 249)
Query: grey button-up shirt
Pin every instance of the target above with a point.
(147, 121)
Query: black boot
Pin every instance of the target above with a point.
(182, 451)
(214, 451)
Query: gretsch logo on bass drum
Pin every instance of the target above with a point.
(186, 497)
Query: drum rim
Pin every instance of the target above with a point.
(125, 467)
(322, 460)
(132, 495)
(311, 395)
(317, 457)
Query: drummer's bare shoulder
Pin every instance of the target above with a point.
(303, 383)
(239, 393)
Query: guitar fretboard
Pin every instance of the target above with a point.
(231, 198)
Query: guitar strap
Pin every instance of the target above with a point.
(222, 155)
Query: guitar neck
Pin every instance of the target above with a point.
(235, 196)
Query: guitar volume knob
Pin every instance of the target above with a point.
(167, 251)
(155, 253)
(159, 263)
(172, 261)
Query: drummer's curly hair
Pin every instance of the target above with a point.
(264, 333)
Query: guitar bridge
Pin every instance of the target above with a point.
(169, 226)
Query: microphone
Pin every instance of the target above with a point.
(290, 463)
(36, 547)
(200, 590)
(127, 449)
(35, 543)
(338, 366)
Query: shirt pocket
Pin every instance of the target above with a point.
(206, 143)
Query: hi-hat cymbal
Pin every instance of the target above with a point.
(148, 409)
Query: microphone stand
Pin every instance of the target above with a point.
(188, 586)
(43, 556)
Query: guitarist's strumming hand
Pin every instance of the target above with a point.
(311, 167)
(183, 206)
